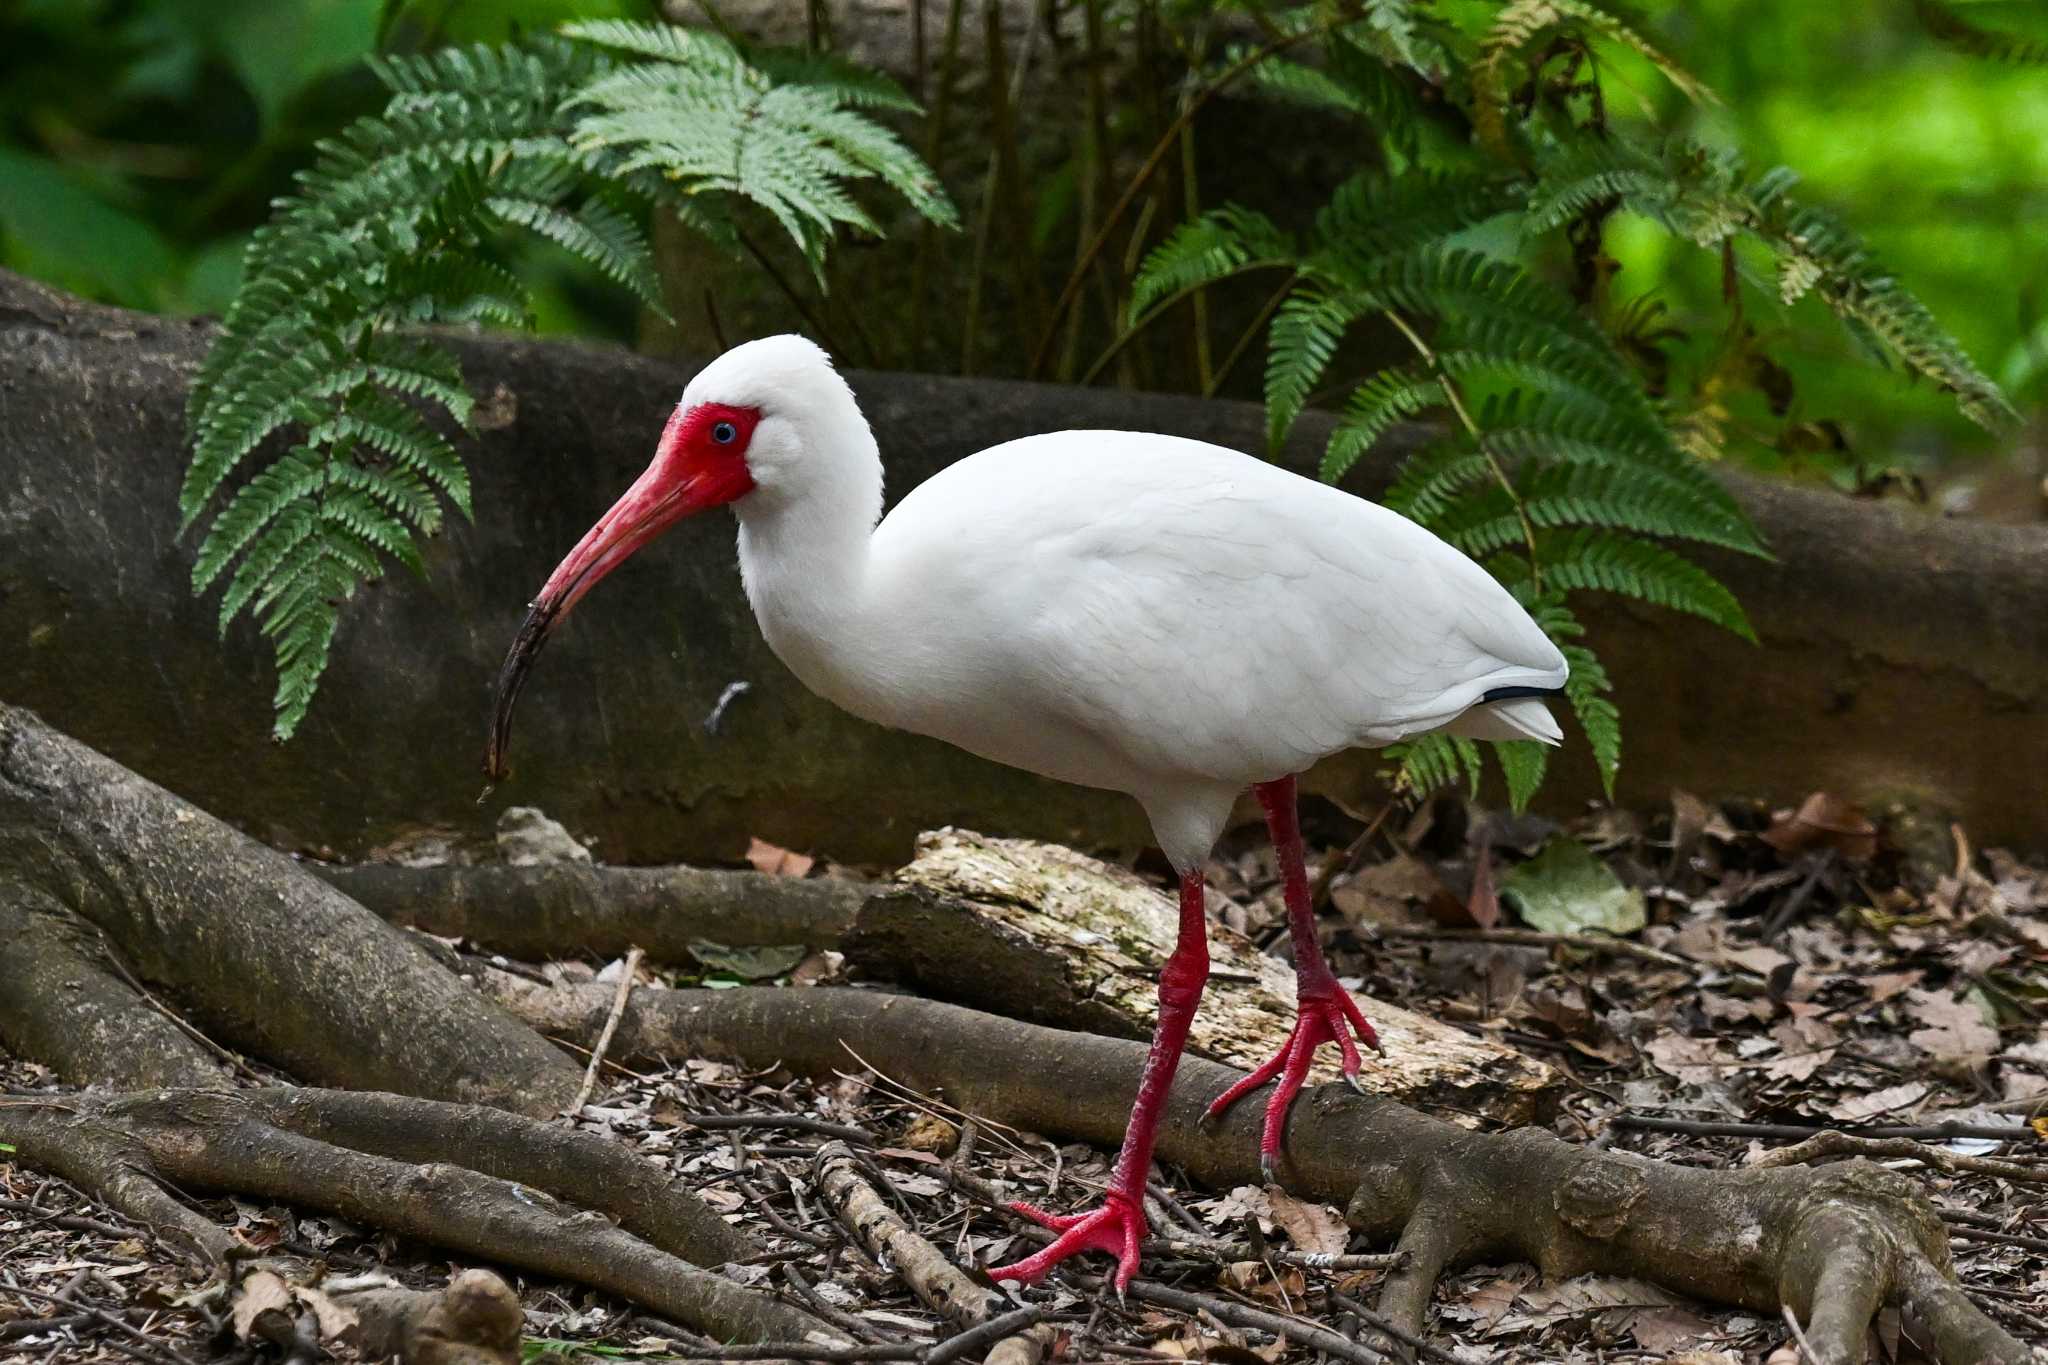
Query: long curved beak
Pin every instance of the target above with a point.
(667, 492)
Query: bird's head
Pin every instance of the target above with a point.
(739, 434)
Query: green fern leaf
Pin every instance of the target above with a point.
(1299, 348)
(1522, 763)
(1202, 251)
(1605, 561)
(1376, 405)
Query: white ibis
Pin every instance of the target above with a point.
(1142, 613)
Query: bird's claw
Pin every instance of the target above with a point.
(1325, 1015)
(1117, 1228)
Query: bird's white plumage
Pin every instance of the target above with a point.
(1125, 610)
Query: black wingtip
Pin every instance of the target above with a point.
(1516, 693)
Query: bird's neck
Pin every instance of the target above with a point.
(804, 558)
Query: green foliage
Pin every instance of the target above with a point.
(1568, 465)
(397, 223)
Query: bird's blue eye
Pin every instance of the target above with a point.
(725, 433)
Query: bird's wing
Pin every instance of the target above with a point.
(1214, 615)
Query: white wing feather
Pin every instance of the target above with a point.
(1199, 613)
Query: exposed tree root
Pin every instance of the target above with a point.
(266, 958)
(537, 912)
(384, 1161)
(1833, 1243)
(100, 863)
(57, 1002)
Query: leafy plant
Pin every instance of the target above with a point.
(569, 140)
(1565, 464)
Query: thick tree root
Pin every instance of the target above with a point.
(1833, 1243)
(373, 1159)
(267, 958)
(537, 912)
(59, 1003)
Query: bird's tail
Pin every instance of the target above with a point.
(1515, 718)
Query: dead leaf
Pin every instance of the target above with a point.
(1257, 1279)
(1482, 907)
(1230, 1210)
(1696, 1061)
(1663, 1331)
(1489, 1303)
(1885, 985)
(1592, 1293)
(1390, 892)
(1858, 1108)
(1314, 1228)
(1805, 1045)
(776, 861)
(1823, 820)
(930, 1133)
(260, 1292)
(1954, 1029)
(1691, 818)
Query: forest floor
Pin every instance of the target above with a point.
(1798, 971)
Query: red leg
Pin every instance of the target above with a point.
(1326, 1013)
(1119, 1225)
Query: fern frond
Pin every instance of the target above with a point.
(1521, 22)
(1372, 216)
(1299, 347)
(392, 226)
(1432, 762)
(1523, 763)
(1432, 478)
(1857, 287)
(1376, 405)
(1604, 561)
(709, 119)
(1950, 27)
(1221, 243)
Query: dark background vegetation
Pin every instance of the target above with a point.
(141, 141)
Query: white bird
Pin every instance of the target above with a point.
(1118, 609)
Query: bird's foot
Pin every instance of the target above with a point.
(1117, 1228)
(1325, 1014)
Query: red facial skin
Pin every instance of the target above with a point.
(692, 470)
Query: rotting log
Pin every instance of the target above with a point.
(1042, 933)
(1903, 655)
(264, 957)
(1833, 1243)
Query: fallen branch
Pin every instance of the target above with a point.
(1314, 1336)
(533, 913)
(1851, 1234)
(1602, 944)
(627, 971)
(1931, 1132)
(1833, 1142)
(939, 1284)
